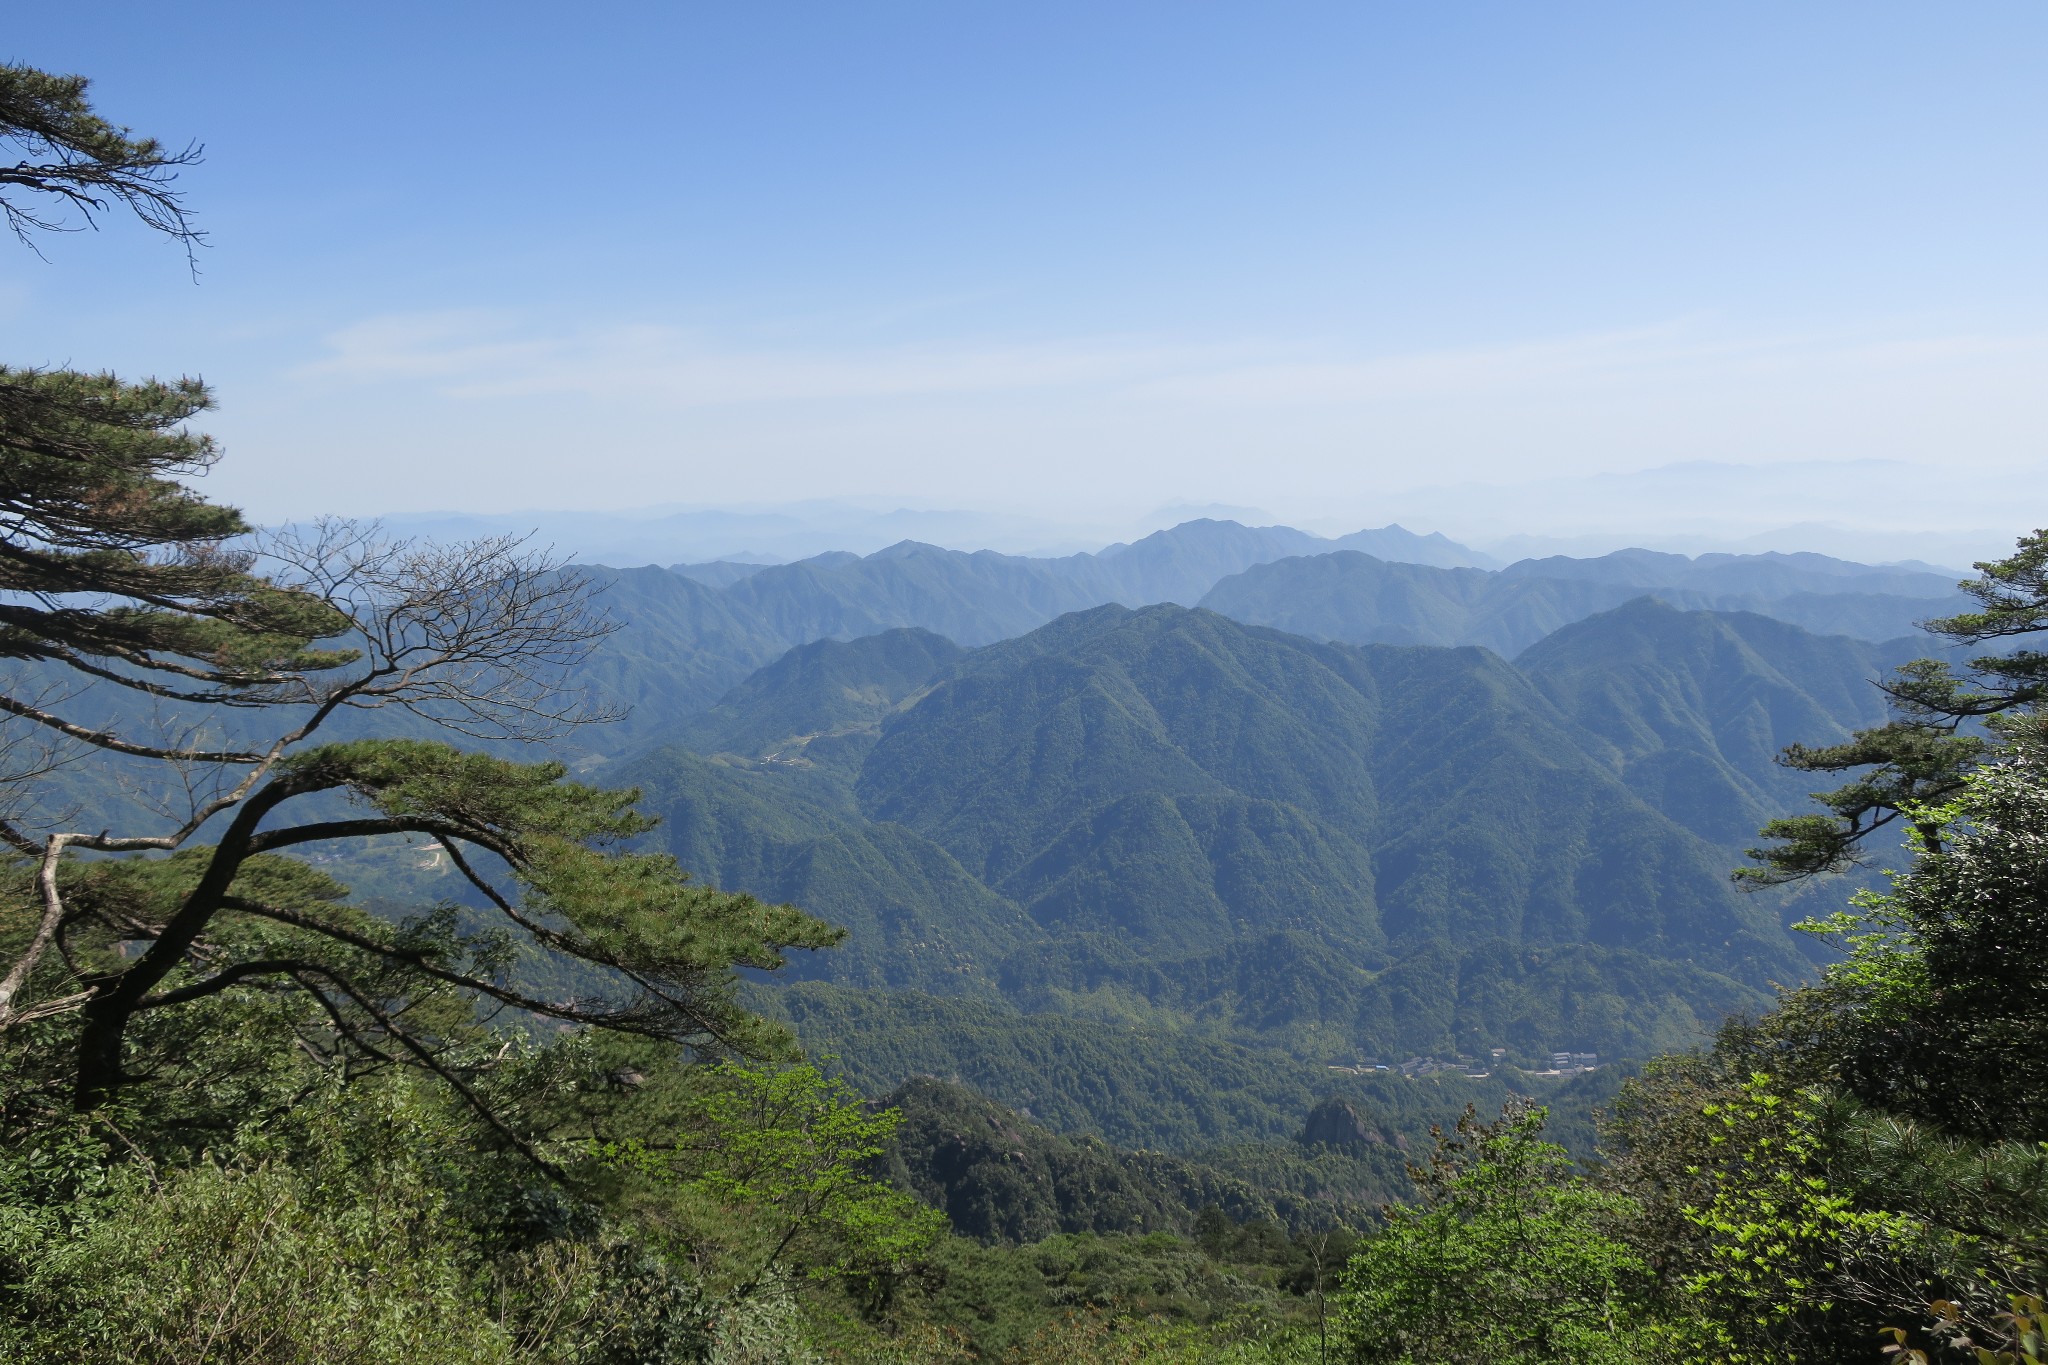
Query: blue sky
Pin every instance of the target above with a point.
(1344, 262)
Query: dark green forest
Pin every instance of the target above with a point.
(1228, 947)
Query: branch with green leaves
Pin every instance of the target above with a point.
(1944, 725)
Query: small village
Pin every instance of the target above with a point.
(1561, 1065)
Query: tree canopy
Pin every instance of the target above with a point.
(1944, 723)
(74, 165)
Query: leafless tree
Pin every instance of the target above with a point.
(228, 697)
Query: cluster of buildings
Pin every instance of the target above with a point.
(1561, 1064)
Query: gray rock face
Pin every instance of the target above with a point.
(1337, 1123)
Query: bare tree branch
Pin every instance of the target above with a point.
(45, 933)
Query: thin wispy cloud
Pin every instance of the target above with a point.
(1685, 351)
(482, 355)
(490, 355)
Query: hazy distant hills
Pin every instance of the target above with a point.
(1362, 599)
(692, 633)
(1764, 575)
(1166, 816)
(1173, 564)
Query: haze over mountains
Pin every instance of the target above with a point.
(1872, 510)
(1245, 800)
(694, 631)
(1146, 840)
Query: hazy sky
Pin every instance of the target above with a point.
(1343, 261)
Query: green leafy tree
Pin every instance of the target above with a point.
(1510, 1257)
(766, 1176)
(1778, 1245)
(367, 1223)
(1942, 1005)
(1892, 1157)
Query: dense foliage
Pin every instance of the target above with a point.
(1510, 1257)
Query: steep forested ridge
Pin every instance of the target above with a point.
(1164, 816)
(1695, 707)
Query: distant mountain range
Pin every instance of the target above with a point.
(1362, 599)
(694, 631)
(1174, 565)
(807, 529)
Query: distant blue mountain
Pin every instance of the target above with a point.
(695, 631)
(1361, 599)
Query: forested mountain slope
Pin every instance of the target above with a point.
(1164, 815)
(1000, 1177)
(821, 697)
(1694, 707)
(1144, 1085)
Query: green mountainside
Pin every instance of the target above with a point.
(1694, 707)
(1001, 1178)
(1145, 1086)
(1234, 838)
(915, 917)
(821, 700)
(1180, 779)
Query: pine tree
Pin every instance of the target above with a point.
(1944, 725)
(150, 634)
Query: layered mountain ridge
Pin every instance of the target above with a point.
(693, 632)
(1092, 852)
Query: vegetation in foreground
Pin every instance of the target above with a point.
(243, 1119)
